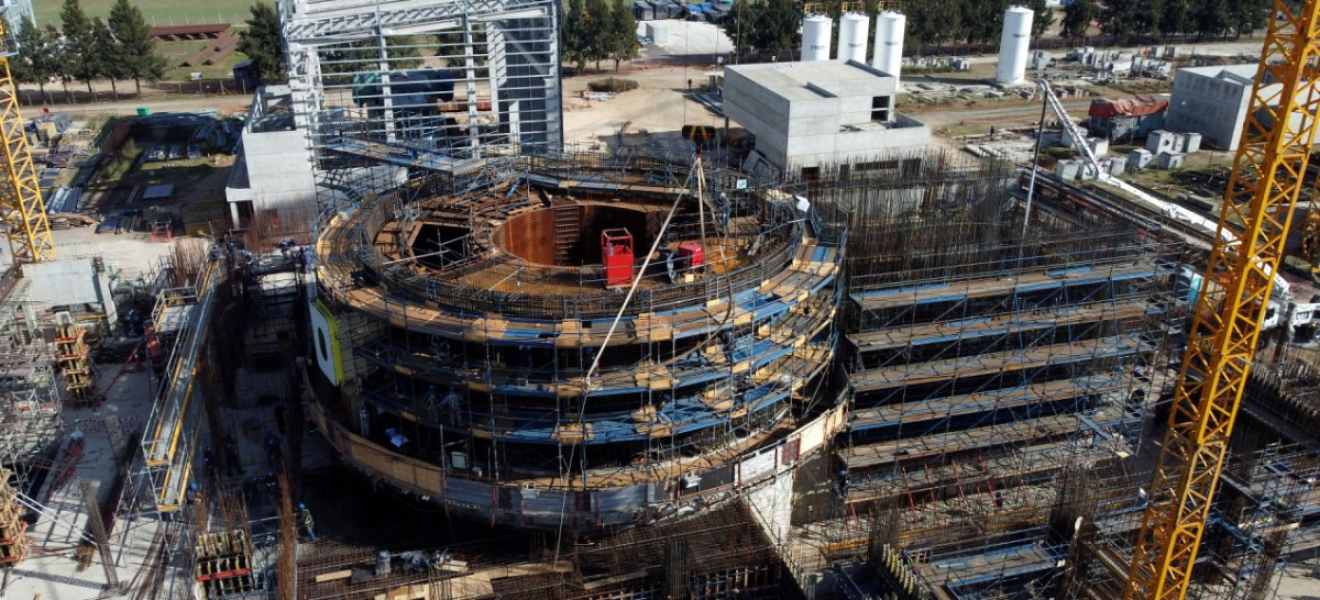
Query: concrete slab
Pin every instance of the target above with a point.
(64, 282)
(686, 38)
(53, 569)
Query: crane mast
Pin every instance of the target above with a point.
(22, 211)
(1262, 191)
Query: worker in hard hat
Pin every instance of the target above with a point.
(305, 518)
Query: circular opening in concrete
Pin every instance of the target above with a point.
(569, 236)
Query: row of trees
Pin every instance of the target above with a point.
(119, 48)
(1202, 18)
(597, 30)
(939, 22)
(771, 26)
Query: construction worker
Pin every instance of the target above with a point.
(233, 461)
(305, 518)
(272, 484)
(273, 450)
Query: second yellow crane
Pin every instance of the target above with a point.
(1262, 192)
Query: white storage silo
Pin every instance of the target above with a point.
(1013, 45)
(888, 55)
(853, 30)
(816, 30)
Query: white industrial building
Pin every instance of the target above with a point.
(808, 114)
(1211, 101)
(273, 172)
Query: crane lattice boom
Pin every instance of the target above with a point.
(22, 211)
(1264, 186)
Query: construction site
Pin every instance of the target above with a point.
(432, 350)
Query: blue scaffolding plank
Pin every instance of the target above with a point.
(898, 290)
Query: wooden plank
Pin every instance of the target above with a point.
(334, 575)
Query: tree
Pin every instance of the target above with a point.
(33, 63)
(597, 21)
(924, 23)
(777, 27)
(1077, 18)
(137, 46)
(950, 25)
(1043, 20)
(262, 43)
(1246, 16)
(983, 20)
(573, 35)
(1174, 16)
(111, 59)
(1131, 17)
(622, 33)
(61, 65)
(1211, 18)
(739, 25)
(80, 44)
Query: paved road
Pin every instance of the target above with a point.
(232, 102)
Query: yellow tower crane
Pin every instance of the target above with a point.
(1262, 193)
(22, 211)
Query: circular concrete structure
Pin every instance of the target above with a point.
(456, 338)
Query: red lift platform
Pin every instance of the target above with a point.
(616, 251)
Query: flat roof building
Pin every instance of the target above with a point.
(1211, 101)
(273, 172)
(805, 115)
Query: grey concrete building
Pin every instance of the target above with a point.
(805, 115)
(1211, 101)
(273, 172)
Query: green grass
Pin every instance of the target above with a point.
(177, 52)
(176, 171)
(119, 166)
(158, 12)
(963, 129)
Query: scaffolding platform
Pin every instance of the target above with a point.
(1001, 362)
(970, 289)
(1008, 324)
(406, 156)
(925, 415)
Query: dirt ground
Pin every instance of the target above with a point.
(655, 111)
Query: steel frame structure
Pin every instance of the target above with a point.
(1265, 183)
(423, 77)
